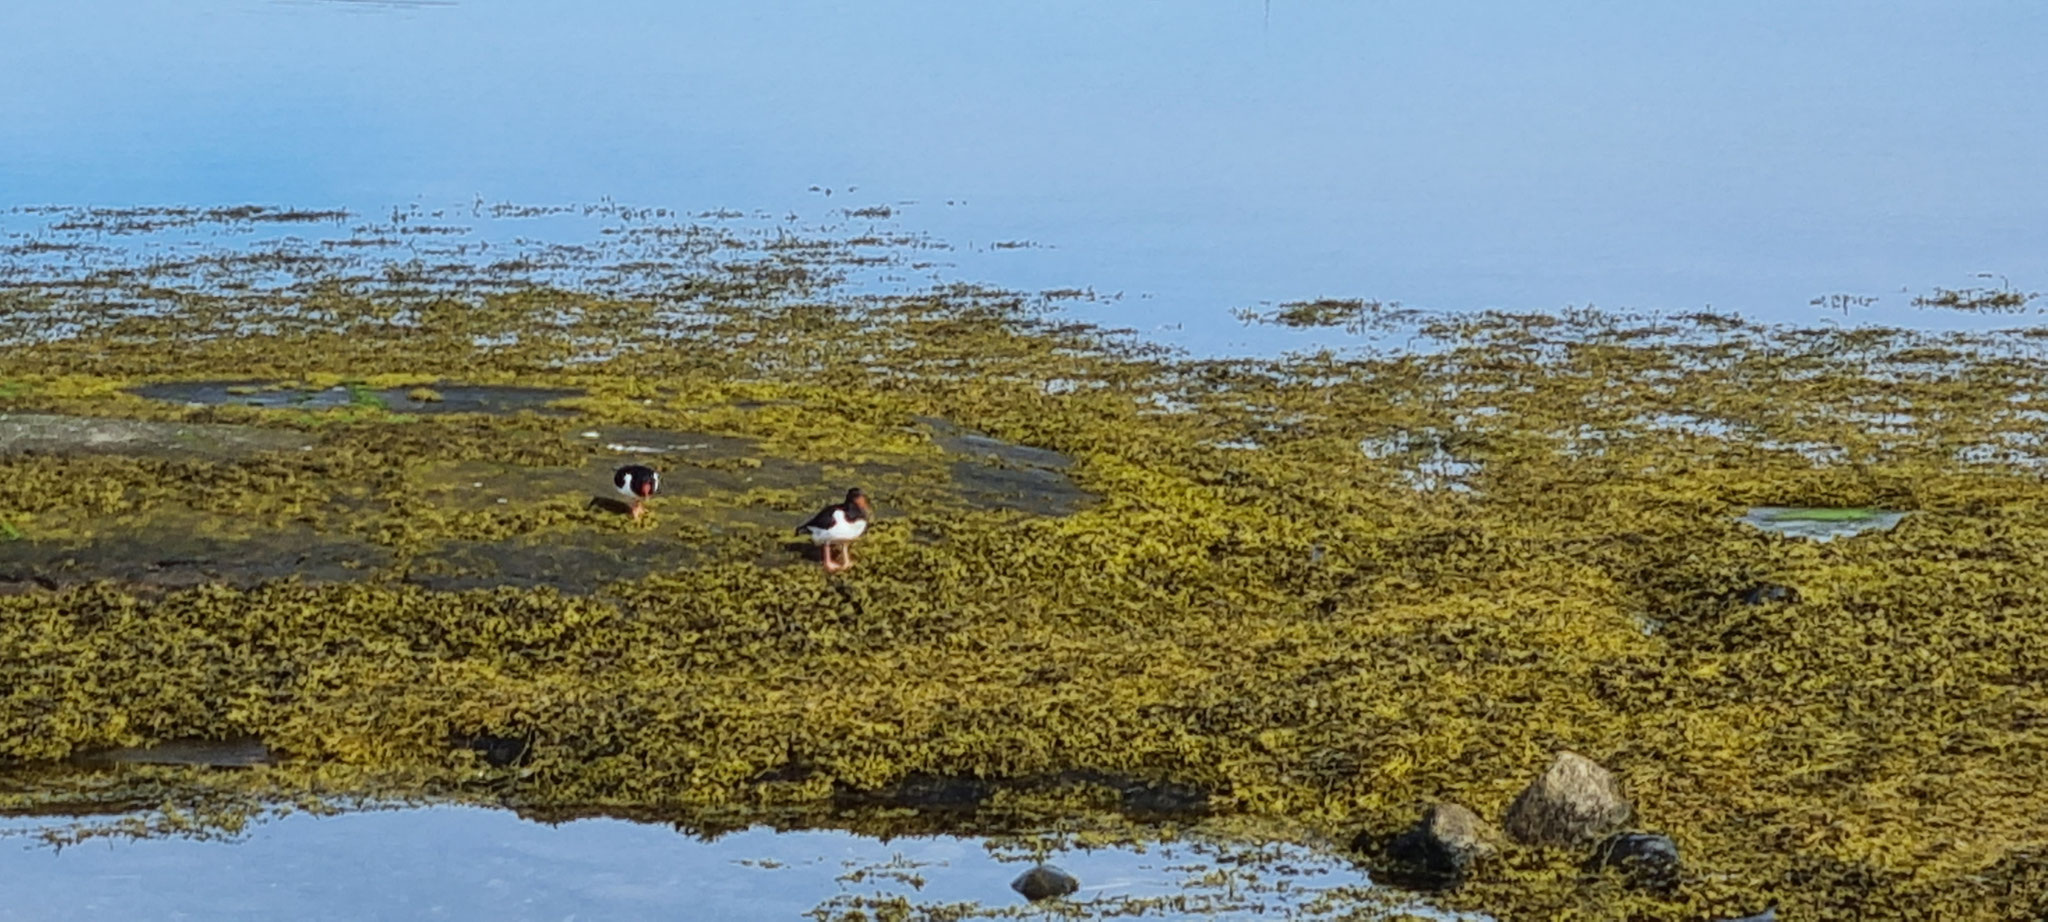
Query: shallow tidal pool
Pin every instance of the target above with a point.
(464, 862)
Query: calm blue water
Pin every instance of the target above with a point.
(472, 863)
(1196, 157)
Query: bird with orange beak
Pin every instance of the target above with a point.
(637, 482)
(836, 526)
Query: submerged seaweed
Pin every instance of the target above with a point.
(1276, 599)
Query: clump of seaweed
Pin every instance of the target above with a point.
(2000, 300)
(1265, 604)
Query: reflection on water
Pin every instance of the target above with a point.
(475, 863)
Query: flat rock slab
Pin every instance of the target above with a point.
(714, 484)
(165, 557)
(237, 753)
(276, 395)
(994, 474)
(100, 435)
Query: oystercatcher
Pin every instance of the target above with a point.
(836, 526)
(637, 482)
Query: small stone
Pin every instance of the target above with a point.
(1044, 882)
(497, 751)
(1648, 860)
(1444, 844)
(1574, 803)
(1768, 593)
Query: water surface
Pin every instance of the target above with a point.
(1194, 158)
(475, 863)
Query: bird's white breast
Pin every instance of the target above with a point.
(841, 530)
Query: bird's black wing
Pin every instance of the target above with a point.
(822, 520)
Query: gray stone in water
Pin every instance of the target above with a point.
(1044, 882)
(1573, 803)
(1445, 843)
(1646, 859)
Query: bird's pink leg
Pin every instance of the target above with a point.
(825, 556)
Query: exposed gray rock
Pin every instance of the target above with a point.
(1573, 803)
(45, 432)
(1768, 593)
(1445, 843)
(445, 398)
(1044, 882)
(232, 753)
(1646, 859)
(1770, 914)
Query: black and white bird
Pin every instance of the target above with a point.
(837, 525)
(637, 482)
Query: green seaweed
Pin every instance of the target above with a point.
(1323, 588)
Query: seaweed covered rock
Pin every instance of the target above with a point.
(495, 750)
(1044, 882)
(1767, 594)
(1644, 859)
(1574, 802)
(1441, 847)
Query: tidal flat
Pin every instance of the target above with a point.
(347, 503)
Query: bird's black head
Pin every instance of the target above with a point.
(858, 500)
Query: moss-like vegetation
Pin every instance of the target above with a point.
(1327, 588)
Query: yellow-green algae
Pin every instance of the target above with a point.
(1263, 604)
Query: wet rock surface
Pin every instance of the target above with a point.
(1646, 860)
(235, 753)
(922, 792)
(1135, 797)
(59, 434)
(1439, 849)
(1767, 594)
(165, 557)
(435, 399)
(712, 485)
(1002, 475)
(1045, 882)
(1573, 803)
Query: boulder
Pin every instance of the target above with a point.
(1646, 860)
(1443, 845)
(1573, 803)
(1044, 882)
